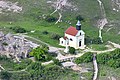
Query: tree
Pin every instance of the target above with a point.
(44, 47)
(40, 54)
(71, 50)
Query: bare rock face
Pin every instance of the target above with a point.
(15, 46)
(9, 6)
(116, 5)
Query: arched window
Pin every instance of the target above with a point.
(71, 39)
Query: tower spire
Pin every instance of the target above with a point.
(78, 25)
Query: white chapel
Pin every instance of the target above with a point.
(74, 37)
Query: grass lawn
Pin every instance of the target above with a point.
(31, 19)
(106, 72)
(97, 47)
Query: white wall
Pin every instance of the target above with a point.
(75, 40)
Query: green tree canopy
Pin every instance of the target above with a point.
(40, 54)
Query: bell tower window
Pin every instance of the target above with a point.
(80, 33)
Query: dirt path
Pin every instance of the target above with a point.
(102, 22)
(95, 75)
(51, 48)
(114, 44)
(59, 5)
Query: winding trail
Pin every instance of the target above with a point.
(59, 19)
(59, 5)
(114, 44)
(95, 67)
(51, 48)
(102, 22)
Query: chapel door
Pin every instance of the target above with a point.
(79, 43)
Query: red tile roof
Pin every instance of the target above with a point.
(71, 31)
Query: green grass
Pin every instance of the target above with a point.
(29, 20)
(106, 71)
(97, 47)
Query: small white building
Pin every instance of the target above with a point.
(74, 37)
(68, 64)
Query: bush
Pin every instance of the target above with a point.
(4, 58)
(5, 44)
(96, 41)
(71, 50)
(85, 58)
(45, 32)
(51, 19)
(18, 29)
(89, 40)
(80, 18)
(56, 61)
(55, 36)
(111, 58)
(41, 54)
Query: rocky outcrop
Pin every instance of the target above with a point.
(15, 46)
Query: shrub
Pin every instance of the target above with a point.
(18, 29)
(96, 41)
(88, 40)
(111, 58)
(45, 32)
(4, 58)
(55, 36)
(79, 17)
(40, 54)
(56, 61)
(50, 19)
(5, 44)
(71, 50)
(87, 57)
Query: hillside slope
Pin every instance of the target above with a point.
(31, 14)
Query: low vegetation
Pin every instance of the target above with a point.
(89, 40)
(50, 19)
(110, 58)
(87, 57)
(71, 50)
(41, 54)
(28, 70)
(18, 29)
(97, 47)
